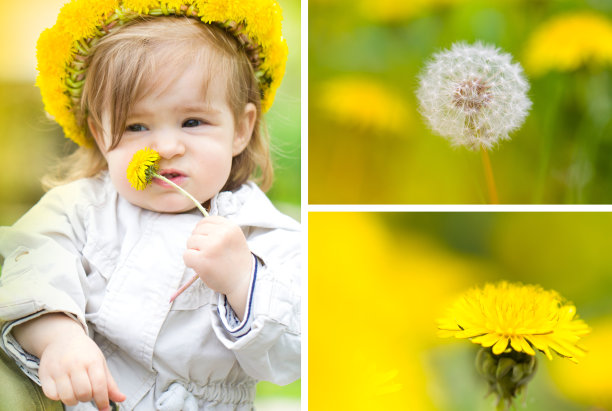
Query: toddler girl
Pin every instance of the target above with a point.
(88, 272)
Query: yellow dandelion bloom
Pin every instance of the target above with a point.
(568, 42)
(80, 19)
(143, 168)
(140, 6)
(364, 104)
(516, 317)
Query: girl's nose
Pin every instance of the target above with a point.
(168, 145)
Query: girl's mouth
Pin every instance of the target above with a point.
(173, 175)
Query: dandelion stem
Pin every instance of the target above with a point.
(486, 163)
(204, 212)
(183, 288)
(185, 193)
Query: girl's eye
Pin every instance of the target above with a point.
(135, 127)
(192, 123)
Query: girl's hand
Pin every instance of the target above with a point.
(74, 369)
(218, 252)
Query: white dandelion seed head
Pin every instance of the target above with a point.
(473, 95)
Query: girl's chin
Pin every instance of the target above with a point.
(173, 210)
(170, 202)
(170, 207)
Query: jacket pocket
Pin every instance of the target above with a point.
(16, 265)
(198, 295)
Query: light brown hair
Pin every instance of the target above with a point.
(117, 74)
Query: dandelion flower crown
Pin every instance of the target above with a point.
(62, 50)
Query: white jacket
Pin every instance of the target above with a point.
(85, 251)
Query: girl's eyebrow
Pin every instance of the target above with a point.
(190, 108)
(198, 108)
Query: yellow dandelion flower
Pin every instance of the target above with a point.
(516, 317)
(143, 168)
(140, 6)
(80, 19)
(568, 42)
(364, 104)
(511, 321)
(173, 4)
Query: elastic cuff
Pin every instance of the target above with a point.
(230, 321)
(27, 362)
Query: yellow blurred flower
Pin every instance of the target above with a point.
(589, 384)
(516, 316)
(366, 347)
(568, 42)
(365, 105)
(143, 168)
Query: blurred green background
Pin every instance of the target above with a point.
(369, 145)
(378, 282)
(31, 143)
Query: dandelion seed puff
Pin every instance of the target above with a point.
(473, 95)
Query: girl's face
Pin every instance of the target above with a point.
(195, 134)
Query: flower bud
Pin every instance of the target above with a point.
(507, 374)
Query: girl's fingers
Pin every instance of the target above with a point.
(196, 242)
(192, 257)
(99, 386)
(81, 387)
(113, 389)
(48, 386)
(209, 223)
(64, 390)
(215, 219)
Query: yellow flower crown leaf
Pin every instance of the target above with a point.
(62, 49)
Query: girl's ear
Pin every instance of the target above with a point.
(244, 130)
(97, 136)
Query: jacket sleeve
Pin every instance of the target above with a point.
(42, 270)
(267, 343)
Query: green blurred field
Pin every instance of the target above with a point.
(365, 149)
